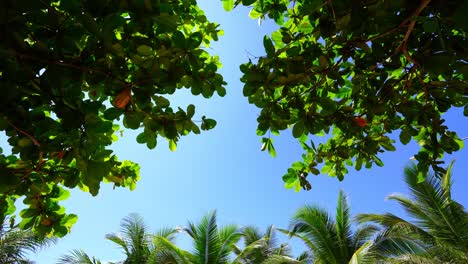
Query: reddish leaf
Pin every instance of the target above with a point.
(123, 98)
(361, 122)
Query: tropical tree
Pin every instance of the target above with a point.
(138, 244)
(263, 248)
(358, 71)
(70, 70)
(134, 239)
(78, 257)
(437, 221)
(333, 241)
(16, 243)
(211, 244)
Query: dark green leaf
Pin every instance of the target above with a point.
(268, 44)
(298, 129)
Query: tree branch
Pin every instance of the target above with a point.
(69, 65)
(31, 137)
(411, 25)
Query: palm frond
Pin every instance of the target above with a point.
(319, 229)
(363, 255)
(117, 239)
(343, 225)
(251, 234)
(165, 251)
(278, 259)
(78, 257)
(363, 233)
(228, 235)
(16, 243)
(205, 238)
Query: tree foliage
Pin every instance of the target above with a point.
(71, 72)
(438, 222)
(16, 243)
(358, 71)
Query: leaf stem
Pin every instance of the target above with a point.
(31, 137)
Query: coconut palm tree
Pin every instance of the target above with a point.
(333, 241)
(263, 248)
(138, 244)
(211, 244)
(134, 239)
(78, 257)
(15, 243)
(438, 222)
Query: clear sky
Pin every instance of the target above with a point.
(224, 169)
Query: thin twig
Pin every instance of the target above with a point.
(70, 65)
(31, 137)
(411, 25)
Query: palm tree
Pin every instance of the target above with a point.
(332, 241)
(134, 238)
(138, 244)
(438, 223)
(211, 244)
(78, 257)
(16, 243)
(263, 248)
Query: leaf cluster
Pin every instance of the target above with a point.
(71, 72)
(358, 71)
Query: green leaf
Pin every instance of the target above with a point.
(328, 106)
(96, 171)
(298, 129)
(190, 110)
(465, 110)
(228, 5)
(179, 39)
(166, 22)
(248, 2)
(60, 231)
(305, 27)
(271, 148)
(208, 123)
(132, 120)
(459, 143)
(387, 145)
(29, 212)
(249, 89)
(141, 138)
(151, 142)
(314, 171)
(172, 145)
(377, 161)
(358, 164)
(268, 44)
(69, 220)
(161, 101)
(421, 176)
(112, 113)
(254, 14)
(297, 186)
(405, 136)
(145, 50)
(430, 25)
(62, 194)
(221, 91)
(290, 177)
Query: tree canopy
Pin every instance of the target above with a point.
(71, 72)
(358, 71)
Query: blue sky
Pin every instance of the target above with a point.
(224, 169)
